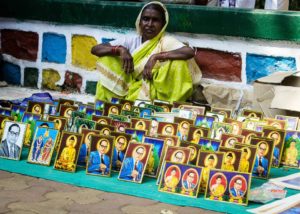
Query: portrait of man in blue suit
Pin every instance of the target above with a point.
(236, 190)
(37, 148)
(132, 167)
(118, 154)
(183, 130)
(99, 161)
(276, 153)
(189, 184)
(261, 164)
(9, 147)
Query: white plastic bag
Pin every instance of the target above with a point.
(277, 4)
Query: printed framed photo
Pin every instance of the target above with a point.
(100, 156)
(68, 151)
(140, 124)
(204, 121)
(229, 140)
(143, 112)
(195, 149)
(3, 119)
(179, 104)
(66, 110)
(232, 157)
(183, 113)
(137, 135)
(167, 107)
(12, 140)
(183, 127)
(50, 109)
(43, 123)
(104, 129)
(208, 144)
(135, 162)
(154, 108)
(195, 133)
(291, 150)
(120, 126)
(71, 120)
(5, 112)
(225, 186)
(169, 140)
(247, 158)
(166, 128)
(43, 145)
(35, 107)
(220, 128)
(82, 107)
(264, 154)
(130, 114)
(167, 116)
(291, 122)
(99, 104)
(102, 119)
(181, 179)
(110, 108)
(278, 136)
(236, 125)
(115, 100)
(85, 146)
(121, 142)
(59, 122)
(30, 119)
(277, 124)
(141, 103)
(67, 102)
(120, 118)
(250, 124)
(126, 104)
(218, 117)
(226, 112)
(248, 134)
(156, 155)
(209, 160)
(81, 123)
(196, 110)
(251, 113)
(17, 112)
(91, 111)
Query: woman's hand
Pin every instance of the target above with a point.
(127, 60)
(147, 73)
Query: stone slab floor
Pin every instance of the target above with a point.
(27, 195)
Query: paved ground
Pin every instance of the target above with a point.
(25, 195)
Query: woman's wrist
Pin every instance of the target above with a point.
(115, 49)
(162, 56)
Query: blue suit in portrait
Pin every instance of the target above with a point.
(128, 167)
(187, 185)
(95, 161)
(4, 151)
(82, 155)
(115, 158)
(236, 193)
(276, 156)
(37, 148)
(265, 164)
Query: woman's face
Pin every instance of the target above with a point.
(151, 23)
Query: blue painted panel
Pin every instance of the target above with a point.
(258, 66)
(106, 40)
(11, 73)
(54, 48)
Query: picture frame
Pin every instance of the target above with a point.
(167, 107)
(59, 122)
(35, 107)
(137, 135)
(196, 110)
(181, 179)
(226, 112)
(71, 121)
(251, 113)
(183, 127)
(99, 104)
(120, 125)
(248, 134)
(68, 151)
(218, 117)
(166, 128)
(81, 123)
(102, 119)
(100, 156)
(104, 129)
(117, 117)
(126, 104)
(66, 110)
(43, 145)
(195, 133)
(110, 108)
(5, 111)
(141, 103)
(135, 162)
(169, 140)
(278, 124)
(291, 150)
(91, 111)
(204, 121)
(179, 104)
(208, 144)
(17, 112)
(12, 140)
(232, 157)
(30, 119)
(50, 109)
(130, 114)
(236, 125)
(140, 124)
(154, 108)
(291, 122)
(247, 158)
(195, 149)
(229, 140)
(3, 119)
(220, 128)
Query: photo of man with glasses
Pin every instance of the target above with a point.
(261, 162)
(236, 190)
(119, 152)
(12, 140)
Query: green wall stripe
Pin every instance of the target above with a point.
(259, 24)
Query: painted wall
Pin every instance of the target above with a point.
(57, 56)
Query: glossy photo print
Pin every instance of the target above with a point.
(291, 149)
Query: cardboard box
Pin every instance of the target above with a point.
(278, 94)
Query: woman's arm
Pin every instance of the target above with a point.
(109, 50)
(183, 53)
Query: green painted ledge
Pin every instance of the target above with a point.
(259, 24)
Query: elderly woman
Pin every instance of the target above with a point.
(151, 65)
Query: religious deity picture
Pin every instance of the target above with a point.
(85, 146)
(179, 104)
(247, 158)
(231, 187)
(197, 110)
(219, 128)
(130, 114)
(110, 108)
(71, 121)
(120, 118)
(59, 122)
(68, 151)
(208, 144)
(137, 135)
(143, 112)
(30, 119)
(12, 140)
(35, 107)
(218, 117)
(232, 157)
(120, 126)
(62, 101)
(264, 155)
(183, 127)
(181, 179)
(169, 140)
(135, 162)
(154, 108)
(102, 119)
(166, 106)
(166, 128)
(50, 109)
(5, 112)
(104, 129)
(250, 124)
(248, 134)
(67, 110)
(141, 103)
(121, 142)
(229, 140)
(100, 156)
(278, 136)
(195, 149)
(277, 124)
(204, 121)
(43, 145)
(226, 112)
(251, 113)
(291, 122)
(291, 150)
(236, 126)
(81, 123)
(140, 124)
(17, 112)
(99, 104)
(91, 111)
(126, 104)
(156, 156)
(195, 133)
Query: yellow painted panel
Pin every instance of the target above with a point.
(50, 77)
